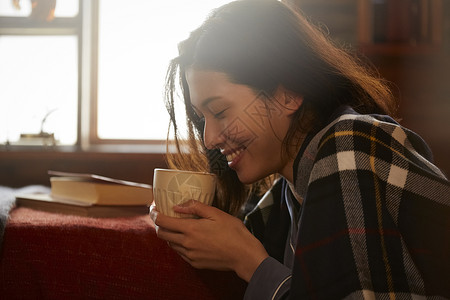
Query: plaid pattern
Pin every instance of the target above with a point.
(375, 220)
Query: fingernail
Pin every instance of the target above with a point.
(153, 215)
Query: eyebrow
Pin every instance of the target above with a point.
(206, 101)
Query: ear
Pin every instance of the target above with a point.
(289, 101)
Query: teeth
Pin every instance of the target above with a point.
(233, 155)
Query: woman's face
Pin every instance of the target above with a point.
(248, 127)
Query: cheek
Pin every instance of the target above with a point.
(267, 118)
(239, 128)
(255, 123)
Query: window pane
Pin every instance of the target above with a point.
(7, 8)
(136, 40)
(64, 8)
(38, 74)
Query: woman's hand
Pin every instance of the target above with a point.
(216, 240)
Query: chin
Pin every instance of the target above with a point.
(248, 178)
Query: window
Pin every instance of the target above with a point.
(136, 40)
(90, 71)
(39, 71)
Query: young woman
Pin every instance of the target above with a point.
(356, 209)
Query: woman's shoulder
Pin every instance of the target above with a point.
(349, 121)
(352, 129)
(377, 136)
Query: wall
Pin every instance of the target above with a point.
(420, 75)
(21, 168)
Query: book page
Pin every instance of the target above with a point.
(99, 178)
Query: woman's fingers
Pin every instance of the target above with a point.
(215, 240)
(185, 254)
(178, 249)
(170, 236)
(190, 207)
(193, 207)
(172, 224)
(182, 224)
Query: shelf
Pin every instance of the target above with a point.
(392, 49)
(400, 27)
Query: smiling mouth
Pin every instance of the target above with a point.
(231, 155)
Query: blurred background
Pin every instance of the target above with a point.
(81, 81)
(408, 41)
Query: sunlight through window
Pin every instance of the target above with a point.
(39, 77)
(136, 41)
(39, 67)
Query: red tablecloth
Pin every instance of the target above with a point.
(54, 256)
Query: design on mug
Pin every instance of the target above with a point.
(184, 187)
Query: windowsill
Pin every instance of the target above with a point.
(29, 165)
(159, 148)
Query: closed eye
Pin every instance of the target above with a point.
(220, 114)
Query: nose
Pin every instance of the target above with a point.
(213, 135)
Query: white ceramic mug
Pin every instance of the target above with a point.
(174, 187)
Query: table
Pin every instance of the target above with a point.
(54, 256)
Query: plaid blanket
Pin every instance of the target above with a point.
(375, 220)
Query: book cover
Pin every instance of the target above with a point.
(46, 202)
(98, 190)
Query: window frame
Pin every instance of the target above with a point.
(85, 27)
(91, 136)
(59, 26)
